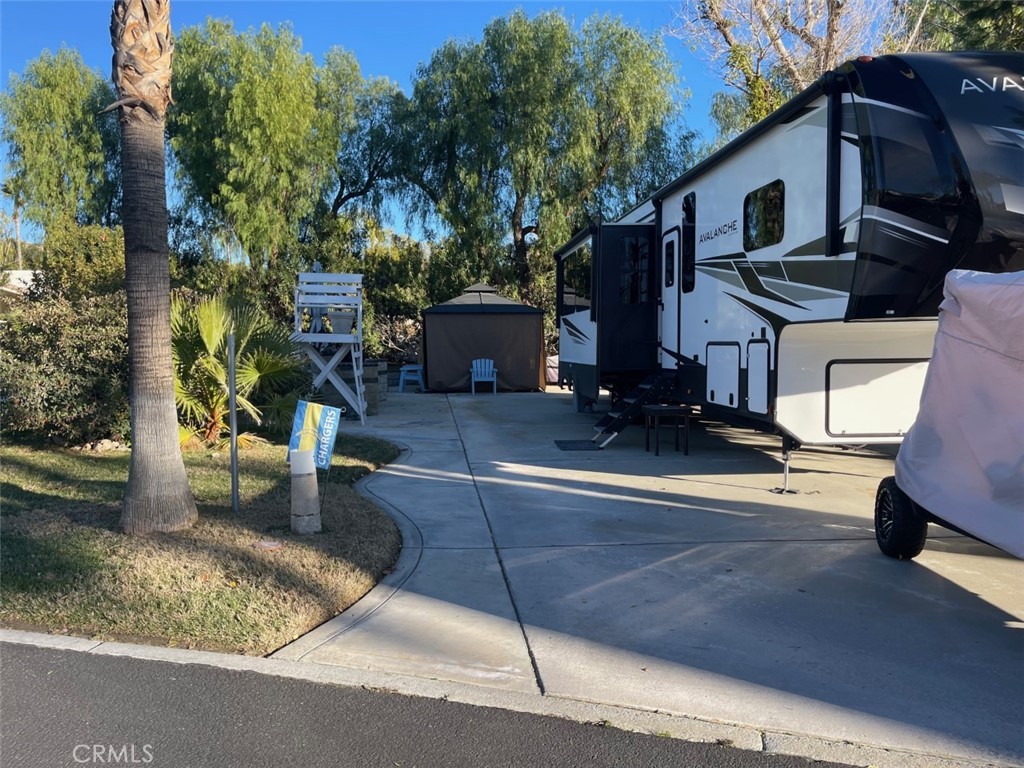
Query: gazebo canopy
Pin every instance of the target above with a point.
(481, 298)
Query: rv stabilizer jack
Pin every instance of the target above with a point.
(788, 446)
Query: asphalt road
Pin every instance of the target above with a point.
(67, 708)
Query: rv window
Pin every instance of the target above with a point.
(670, 263)
(908, 155)
(763, 216)
(576, 281)
(634, 258)
(688, 270)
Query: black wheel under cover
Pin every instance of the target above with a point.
(899, 529)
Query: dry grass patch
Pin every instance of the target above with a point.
(64, 566)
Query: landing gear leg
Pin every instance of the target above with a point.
(788, 446)
(580, 402)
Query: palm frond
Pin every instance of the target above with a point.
(245, 440)
(189, 439)
(214, 323)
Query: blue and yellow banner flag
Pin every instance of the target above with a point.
(315, 427)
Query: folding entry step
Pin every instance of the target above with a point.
(654, 389)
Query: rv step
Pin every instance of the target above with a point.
(605, 420)
(652, 389)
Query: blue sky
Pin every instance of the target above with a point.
(389, 37)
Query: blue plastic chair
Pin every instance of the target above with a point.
(411, 374)
(483, 370)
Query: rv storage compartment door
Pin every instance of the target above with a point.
(724, 374)
(758, 363)
(872, 398)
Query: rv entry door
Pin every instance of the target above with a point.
(627, 303)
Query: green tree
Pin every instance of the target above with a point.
(449, 153)
(960, 25)
(80, 261)
(157, 496)
(628, 136)
(14, 189)
(367, 113)
(62, 154)
(253, 145)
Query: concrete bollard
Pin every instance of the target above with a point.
(305, 498)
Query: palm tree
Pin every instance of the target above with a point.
(157, 497)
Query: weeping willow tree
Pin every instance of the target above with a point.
(516, 140)
(157, 496)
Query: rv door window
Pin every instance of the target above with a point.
(670, 263)
(764, 216)
(634, 261)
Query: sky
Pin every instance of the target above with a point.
(388, 37)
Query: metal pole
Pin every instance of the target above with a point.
(233, 422)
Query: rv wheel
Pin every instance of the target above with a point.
(899, 530)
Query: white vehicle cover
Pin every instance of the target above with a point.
(963, 459)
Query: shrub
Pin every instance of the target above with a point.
(64, 368)
(80, 261)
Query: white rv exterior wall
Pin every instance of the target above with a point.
(714, 312)
(577, 339)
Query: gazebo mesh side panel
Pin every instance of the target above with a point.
(513, 341)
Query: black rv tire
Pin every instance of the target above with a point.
(899, 530)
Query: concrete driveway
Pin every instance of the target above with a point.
(682, 585)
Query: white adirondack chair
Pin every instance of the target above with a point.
(483, 370)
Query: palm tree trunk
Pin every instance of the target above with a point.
(157, 497)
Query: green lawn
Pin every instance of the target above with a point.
(65, 567)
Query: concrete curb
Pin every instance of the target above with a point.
(408, 559)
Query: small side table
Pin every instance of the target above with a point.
(411, 374)
(654, 413)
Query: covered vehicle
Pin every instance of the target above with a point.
(961, 464)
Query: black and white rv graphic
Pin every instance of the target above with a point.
(792, 279)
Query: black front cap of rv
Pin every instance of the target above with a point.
(942, 146)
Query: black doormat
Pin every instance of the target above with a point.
(577, 445)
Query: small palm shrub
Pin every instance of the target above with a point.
(269, 369)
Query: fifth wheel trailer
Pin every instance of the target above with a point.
(791, 280)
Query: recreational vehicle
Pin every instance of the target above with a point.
(791, 280)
